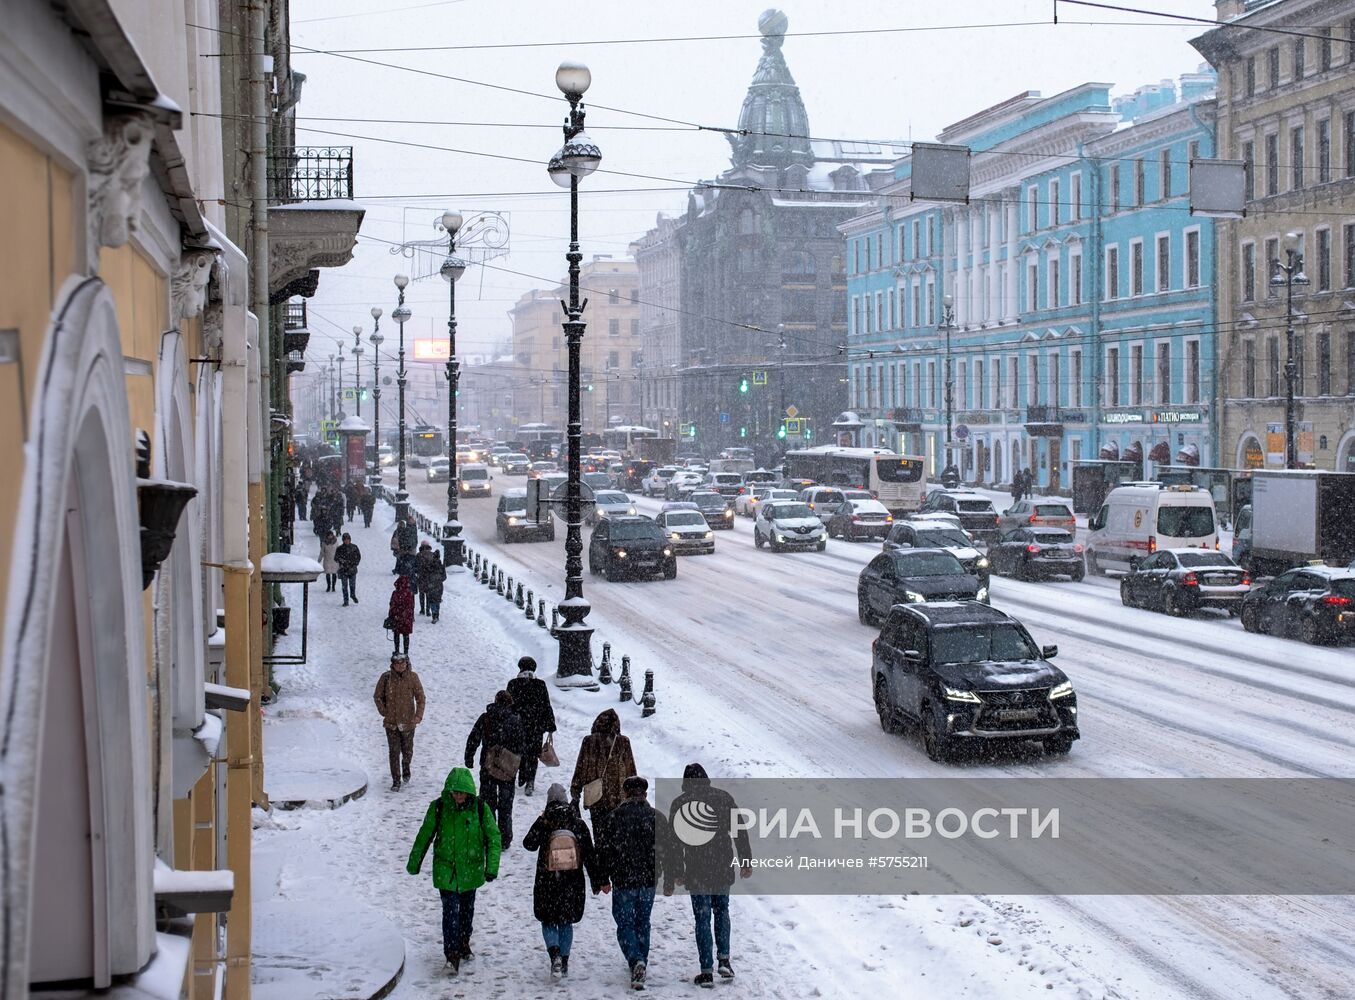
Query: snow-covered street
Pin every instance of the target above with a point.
(762, 670)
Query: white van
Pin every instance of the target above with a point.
(1137, 519)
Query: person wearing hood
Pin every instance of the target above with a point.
(329, 547)
(636, 847)
(431, 581)
(604, 762)
(400, 702)
(400, 620)
(708, 870)
(424, 574)
(498, 735)
(564, 852)
(531, 699)
(367, 504)
(466, 846)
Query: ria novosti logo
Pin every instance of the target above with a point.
(695, 823)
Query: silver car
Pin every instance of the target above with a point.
(686, 531)
(609, 503)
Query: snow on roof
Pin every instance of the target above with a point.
(355, 424)
(278, 566)
(322, 205)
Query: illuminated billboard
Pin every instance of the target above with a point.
(430, 349)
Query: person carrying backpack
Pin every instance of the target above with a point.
(564, 852)
(498, 734)
(466, 846)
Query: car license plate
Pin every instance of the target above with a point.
(1017, 714)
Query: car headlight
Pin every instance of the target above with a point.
(729, 513)
(710, 534)
(780, 537)
(959, 694)
(620, 553)
(1064, 690)
(983, 594)
(913, 596)
(674, 536)
(983, 562)
(512, 521)
(668, 552)
(632, 510)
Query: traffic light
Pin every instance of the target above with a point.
(781, 431)
(743, 432)
(691, 430)
(590, 386)
(808, 433)
(743, 384)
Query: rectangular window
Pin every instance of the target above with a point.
(899, 254)
(1349, 231)
(931, 303)
(1075, 379)
(999, 386)
(979, 384)
(1013, 374)
(1273, 66)
(1249, 369)
(1164, 173)
(1140, 187)
(1055, 209)
(879, 249)
(879, 311)
(1272, 367)
(962, 380)
(1350, 362)
(1296, 158)
(1136, 375)
(932, 395)
(1192, 394)
(1324, 151)
(613, 360)
(1055, 297)
(1193, 150)
(1114, 187)
(917, 238)
(1273, 163)
(1322, 250)
(1164, 263)
(1193, 258)
(1324, 49)
(1032, 209)
(856, 256)
(1248, 272)
(1075, 279)
(1033, 381)
(1032, 286)
(1164, 373)
(1136, 267)
(917, 304)
(1075, 196)
(1300, 58)
(931, 235)
(917, 384)
(1324, 364)
(1112, 272)
(1350, 139)
(613, 328)
(635, 328)
(1251, 76)
(1249, 170)
(1054, 368)
(1113, 375)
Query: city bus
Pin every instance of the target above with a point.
(623, 438)
(900, 481)
(425, 442)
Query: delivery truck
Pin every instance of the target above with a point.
(1296, 516)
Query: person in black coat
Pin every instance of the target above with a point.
(708, 870)
(367, 504)
(558, 895)
(348, 556)
(423, 574)
(531, 698)
(636, 848)
(497, 728)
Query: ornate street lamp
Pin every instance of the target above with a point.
(357, 370)
(339, 359)
(451, 270)
(950, 474)
(576, 159)
(333, 397)
(401, 315)
(377, 340)
(1289, 273)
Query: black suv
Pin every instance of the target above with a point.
(714, 506)
(963, 671)
(1315, 602)
(930, 535)
(974, 510)
(512, 522)
(621, 546)
(910, 576)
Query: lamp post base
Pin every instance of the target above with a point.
(575, 666)
(402, 506)
(453, 545)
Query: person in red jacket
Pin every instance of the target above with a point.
(401, 617)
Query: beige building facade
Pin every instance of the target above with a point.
(1286, 108)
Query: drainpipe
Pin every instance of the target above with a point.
(1094, 326)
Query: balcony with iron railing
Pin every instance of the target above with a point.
(295, 333)
(310, 173)
(313, 221)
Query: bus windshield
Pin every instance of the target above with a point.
(898, 470)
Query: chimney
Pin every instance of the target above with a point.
(1227, 9)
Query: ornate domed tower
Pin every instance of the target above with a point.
(773, 114)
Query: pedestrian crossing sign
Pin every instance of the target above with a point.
(760, 378)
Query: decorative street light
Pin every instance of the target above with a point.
(333, 397)
(357, 370)
(377, 340)
(1289, 273)
(950, 475)
(451, 270)
(576, 159)
(339, 359)
(401, 315)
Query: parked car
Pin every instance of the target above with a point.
(686, 528)
(512, 523)
(1136, 520)
(729, 484)
(474, 480)
(974, 510)
(681, 484)
(1028, 553)
(1179, 581)
(515, 463)
(786, 525)
(438, 469)
(657, 481)
(1036, 513)
(915, 534)
(715, 508)
(746, 503)
(856, 520)
(609, 503)
(1316, 603)
(912, 576)
(625, 546)
(966, 672)
(823, 500)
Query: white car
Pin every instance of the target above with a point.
(789, 525)
(941, 519)
(746, 504)
(823, 500)
(657, 481)
(682, 483)
(475, 479)
(609, 503)
(686, 531)
(438, 469)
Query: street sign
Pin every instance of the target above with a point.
(724, 418)
(349, 394)
(760, 378)
(793, 426)
(792, 411)
(329, 431)
(962, 431)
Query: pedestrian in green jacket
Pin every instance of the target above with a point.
(465, 841)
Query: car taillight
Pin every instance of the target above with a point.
(1336, 599)
(856, 518)
(1077, 548)
(1190, 580)
(1152, 543)
(1246, 580)
(889, 518)
(1032, 549)
(1216, 543)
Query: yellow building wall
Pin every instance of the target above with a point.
(37, 202)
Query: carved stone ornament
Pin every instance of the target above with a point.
(188, 287)
(118, 162)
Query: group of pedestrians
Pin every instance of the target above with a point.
(625, 849)
(1023, 484)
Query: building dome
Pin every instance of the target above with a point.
(773, 120)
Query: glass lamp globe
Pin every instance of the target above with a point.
(573, 78)
(451, 221)
(376, 312)
(452, 268)
(402, 281)
(581, 155)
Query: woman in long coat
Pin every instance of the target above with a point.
(329, 545)
(558, 896)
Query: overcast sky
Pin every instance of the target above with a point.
(952, 60)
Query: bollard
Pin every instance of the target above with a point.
(508, 588)
(498, 584)
(554, 619)
(473, 561)
(541, 613)
(605, 670)
(531, 604)
(624, 682)
(484, 572)
(647, 699)
(517, 595)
